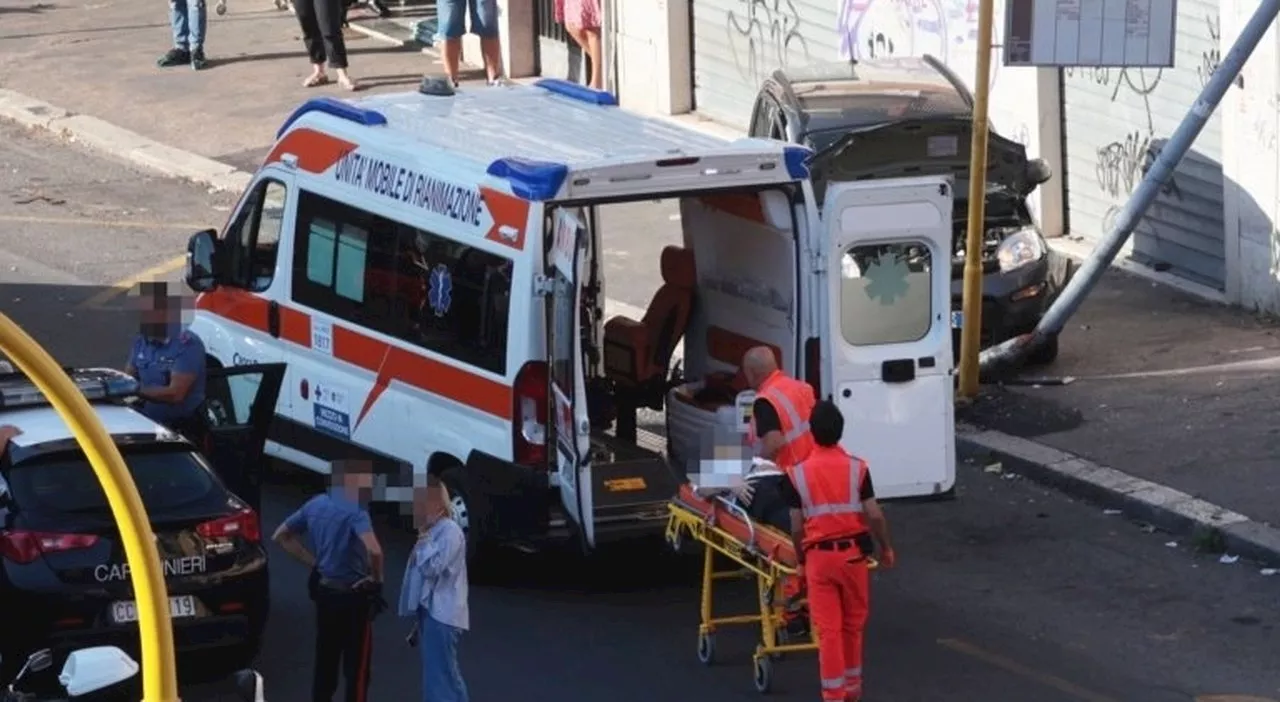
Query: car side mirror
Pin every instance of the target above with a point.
(202, 259)
(39, 661)
(1038, 171)
(91, 669)
(249, 687)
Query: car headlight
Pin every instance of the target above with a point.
(1019, 249)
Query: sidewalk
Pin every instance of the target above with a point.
(1169, 389)
(99, 59)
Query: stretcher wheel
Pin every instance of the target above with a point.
(763, 674)
(707, 648)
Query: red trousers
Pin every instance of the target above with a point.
(839, 598)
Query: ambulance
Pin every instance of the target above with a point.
(430, 266)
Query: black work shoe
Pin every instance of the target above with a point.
(174, 57)
(198, 61)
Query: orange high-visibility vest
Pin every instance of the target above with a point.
(793, 401)
(829, 482)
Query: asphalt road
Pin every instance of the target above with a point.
(1010, 593)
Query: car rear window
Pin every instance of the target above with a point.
(166, 480)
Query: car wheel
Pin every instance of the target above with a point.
(1047, 352)
(460, 509)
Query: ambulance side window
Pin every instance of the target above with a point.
(431, 291)
(256, 236)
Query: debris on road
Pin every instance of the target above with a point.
(1227, 559)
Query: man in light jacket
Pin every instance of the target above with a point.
(434, 592)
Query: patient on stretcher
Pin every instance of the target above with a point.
(762, 495)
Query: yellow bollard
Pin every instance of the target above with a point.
(159, 675)
(971, 325)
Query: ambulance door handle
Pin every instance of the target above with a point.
(273, 319)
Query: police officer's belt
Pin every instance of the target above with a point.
(338, 585)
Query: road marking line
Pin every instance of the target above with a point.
(1232, 698)
(1009, 665)
(124, 286)
(113, 223)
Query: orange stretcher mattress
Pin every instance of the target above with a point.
(763, 539)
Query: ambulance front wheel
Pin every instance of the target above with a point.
(763, 674)
(707, 648)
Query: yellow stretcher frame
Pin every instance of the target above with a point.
(683, 520)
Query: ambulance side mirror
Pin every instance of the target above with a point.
(202, 257)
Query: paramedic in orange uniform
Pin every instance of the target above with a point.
(780, 414)
(835, 524)
(780, 423)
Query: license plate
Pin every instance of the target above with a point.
(957, 319)
(181, 607)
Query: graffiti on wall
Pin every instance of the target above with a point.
(1121, 163)
(765, 35)
(946, 29)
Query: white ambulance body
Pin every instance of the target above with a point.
(430, 270)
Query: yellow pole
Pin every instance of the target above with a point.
(159, 677)
(971, 329)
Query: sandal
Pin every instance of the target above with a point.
(315, 80)
(348, 85)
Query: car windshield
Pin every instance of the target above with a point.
(66, 483)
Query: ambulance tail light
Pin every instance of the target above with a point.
(529, 427)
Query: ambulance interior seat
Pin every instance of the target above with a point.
(637, 354)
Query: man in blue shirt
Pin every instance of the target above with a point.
(346, 562)
(169, 363)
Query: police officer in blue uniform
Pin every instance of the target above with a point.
(346, 577)
(169, 363)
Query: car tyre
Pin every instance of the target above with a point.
(479, 551)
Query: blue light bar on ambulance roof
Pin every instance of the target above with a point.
(797, 160)
(337, 108)
(536, 181)
(577, 91)
(96, 384)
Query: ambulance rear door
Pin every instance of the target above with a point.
(888, 337)
(568, 396)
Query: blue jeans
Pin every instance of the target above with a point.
(452, 16)
(189, 20)
(441, 676)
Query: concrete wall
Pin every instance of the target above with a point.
(1251, 168)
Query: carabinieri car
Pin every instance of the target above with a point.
(64, 582)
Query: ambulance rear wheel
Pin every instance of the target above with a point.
(707, 648)
(460, 510)
(763, 674)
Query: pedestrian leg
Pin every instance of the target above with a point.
(484, 24)
(180, 52)
(198, 22)
(329, 16)
(441, 676)
(821, 572)
(357, 653)
(329, 633)
(855, 596)
(305, 10)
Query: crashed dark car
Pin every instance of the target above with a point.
(909, 117)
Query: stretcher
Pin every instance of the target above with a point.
(725, 529)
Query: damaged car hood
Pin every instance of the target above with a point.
(919, 147)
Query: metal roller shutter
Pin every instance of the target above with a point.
(738, 43)
(1115, 120)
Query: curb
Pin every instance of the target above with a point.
(132, 147)
(1168, 509)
